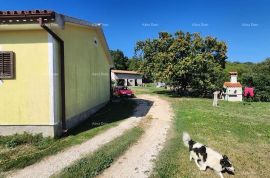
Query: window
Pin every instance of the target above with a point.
(6, 65)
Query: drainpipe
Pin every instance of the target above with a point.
(62, 73)
(111, 90)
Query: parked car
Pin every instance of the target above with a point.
(123, 91)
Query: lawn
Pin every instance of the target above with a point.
(239, 130)
(18, 151)
(147, 90)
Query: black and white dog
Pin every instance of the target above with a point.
(205, 157)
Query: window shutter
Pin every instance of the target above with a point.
(6, 65)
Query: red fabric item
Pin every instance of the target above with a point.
(248, 92)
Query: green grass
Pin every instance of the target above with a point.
(93, 164)
(147, 90)
(239, 130)
(18, 151)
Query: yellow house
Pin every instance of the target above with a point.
(54, 71)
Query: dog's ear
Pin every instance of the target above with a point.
(222, 162)
(203, 149)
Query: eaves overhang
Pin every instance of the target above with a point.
(30, 19)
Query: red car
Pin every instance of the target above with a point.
(124, 91)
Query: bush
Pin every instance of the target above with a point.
(259, 78)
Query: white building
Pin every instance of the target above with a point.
(160, 84)
(232, 89)
(126, 78)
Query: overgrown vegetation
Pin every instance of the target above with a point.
(239, 130)
(95, 163)
(255, 75)
(18, 151)
(240, 68)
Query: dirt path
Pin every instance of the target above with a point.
(55, 163)
(138, 160)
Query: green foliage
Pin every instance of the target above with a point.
(261, 80)
(134, 64)
(184, 60)
(121, 62)
(119, 59)
(241, 68)
(254, 75)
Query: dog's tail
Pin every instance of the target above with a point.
(186, 139)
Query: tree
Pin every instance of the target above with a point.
(134, 64)
(241, 68)
(186, 61)
(119, 59)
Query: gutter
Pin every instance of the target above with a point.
(62, 73)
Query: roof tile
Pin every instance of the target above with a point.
(230, 84)
(125, 72)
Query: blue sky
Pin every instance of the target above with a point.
(243, 24)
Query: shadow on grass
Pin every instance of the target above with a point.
(116, 110)
(173, 94)
(167, 93)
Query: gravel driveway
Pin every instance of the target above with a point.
(52, 164)
(138, 160)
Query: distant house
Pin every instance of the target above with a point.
(54, 71)
(232, 89)
(126, 78)
(160, 84)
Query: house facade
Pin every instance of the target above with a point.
(126, 78)
(233, 89)
(54, 71)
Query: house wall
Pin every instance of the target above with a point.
(139, 81)
(31, 102)
(132, 81)
(113, 76)
(86, 73)
(231, 95)
(25, 99)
